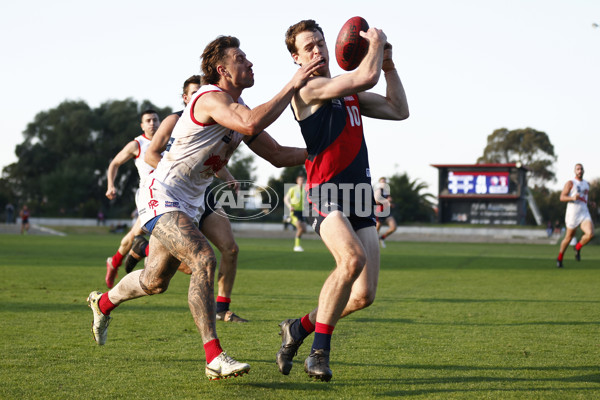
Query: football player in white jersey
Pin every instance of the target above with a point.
(383, 214)
(211, 127)
(132, 150)
(575, 194)
(215, 224)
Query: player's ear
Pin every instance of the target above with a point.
(295, 57)
(221, 70)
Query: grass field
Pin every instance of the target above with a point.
(451, 321)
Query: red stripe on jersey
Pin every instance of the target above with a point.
(194, 120)
(339, 154)
(139, 149)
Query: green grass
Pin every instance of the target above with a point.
(451, 321)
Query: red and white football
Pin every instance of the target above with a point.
(350, 47)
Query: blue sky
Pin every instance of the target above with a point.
(469, 67)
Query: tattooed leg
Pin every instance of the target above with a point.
(128, 288)
(180, 237)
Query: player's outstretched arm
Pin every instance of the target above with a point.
(127, 153)
(364, 77)
(159, 141)
(280, 156)
(394, 105)
(221, 108)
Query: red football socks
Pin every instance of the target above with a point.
(105, 305)
(116, 259)
(307, 325)
(212, 350)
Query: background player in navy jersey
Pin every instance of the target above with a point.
(329, 113)
(214, 224)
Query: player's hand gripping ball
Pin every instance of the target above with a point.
(350, 47)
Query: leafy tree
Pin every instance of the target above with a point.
(411, 203)
(549, 204)
(62, 162)
(528, 146)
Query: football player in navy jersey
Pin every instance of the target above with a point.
(329, 111)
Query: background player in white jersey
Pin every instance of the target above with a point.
(383, 214)
(214, 223)
(134, 149)
(575, 193)
(169, 203)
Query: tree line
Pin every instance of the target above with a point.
(62, 163)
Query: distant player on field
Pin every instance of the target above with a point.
(383, 215)
(575, 194)
(338, 182)
(294, 200)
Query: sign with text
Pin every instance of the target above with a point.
(466, 182)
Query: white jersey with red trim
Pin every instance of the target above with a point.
(197, 152)
(144, 169)
(577, 210)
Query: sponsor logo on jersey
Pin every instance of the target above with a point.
(227, 138)
(171, 204)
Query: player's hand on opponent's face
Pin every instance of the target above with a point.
(304, 72)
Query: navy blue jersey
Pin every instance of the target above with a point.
(337, 155)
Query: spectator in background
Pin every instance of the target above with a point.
(10, 213)
(24, 214)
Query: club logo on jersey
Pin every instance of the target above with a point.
(337, 103)
(214, 163)
(153, 204)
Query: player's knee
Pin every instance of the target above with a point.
(233, 250)
(364, 301)
(354, 266)
(157, 286)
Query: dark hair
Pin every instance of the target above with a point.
(148, 111)
(194, 79)
(302, 26)
(213, 55)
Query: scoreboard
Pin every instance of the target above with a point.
(472, 182)
(489, 194)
